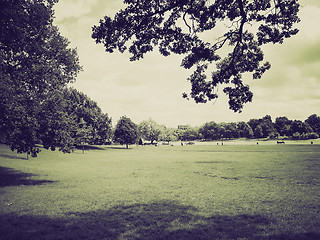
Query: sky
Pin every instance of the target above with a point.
(153, 87)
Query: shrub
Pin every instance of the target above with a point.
(312, 135)
(305, 136)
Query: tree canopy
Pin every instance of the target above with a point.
(35, 60)
(70, 118)
(180, 27)
(149, 130)
(314, 122)
(168, 134)
(125, 132)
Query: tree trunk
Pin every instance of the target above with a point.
(127, 145)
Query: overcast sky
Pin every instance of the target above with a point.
(153, 86)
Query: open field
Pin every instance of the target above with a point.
(248, 191)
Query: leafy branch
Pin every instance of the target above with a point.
(146, 24)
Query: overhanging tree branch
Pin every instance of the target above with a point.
(160, 28)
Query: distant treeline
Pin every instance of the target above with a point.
(281, 128)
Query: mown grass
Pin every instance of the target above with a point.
(191, 192)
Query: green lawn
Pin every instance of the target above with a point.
(248, 191)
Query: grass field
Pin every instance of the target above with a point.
(236, 191)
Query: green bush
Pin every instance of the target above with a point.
(304, 136)
(312, 135)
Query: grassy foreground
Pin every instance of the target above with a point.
(180, 192)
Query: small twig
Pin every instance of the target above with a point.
(185, 21)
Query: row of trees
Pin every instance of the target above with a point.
(69, 118)
(65, 119)
(127, 132)
(36, 64)
(263, 128)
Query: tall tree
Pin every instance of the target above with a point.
(83, 134)
(253, 123)
(68, 118)
(34, 60)
(314, 123)
(125, 132)
(300, 127)
(179, 27)
(283, 126)
(210, 131)
(258, 132)
(267, 126)
(188, 134)
(244, 129)
(229, 130)
(149, 130)
(168, 134)
(86, 112)
(56, 124)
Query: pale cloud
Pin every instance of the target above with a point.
(75, 8)
(310, 16)
(292, 85)
(304, 3)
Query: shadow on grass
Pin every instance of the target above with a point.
(161, 220)
(11, 177)
(12, 157)
(89, 147)
(120, 148)
(105, 147)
